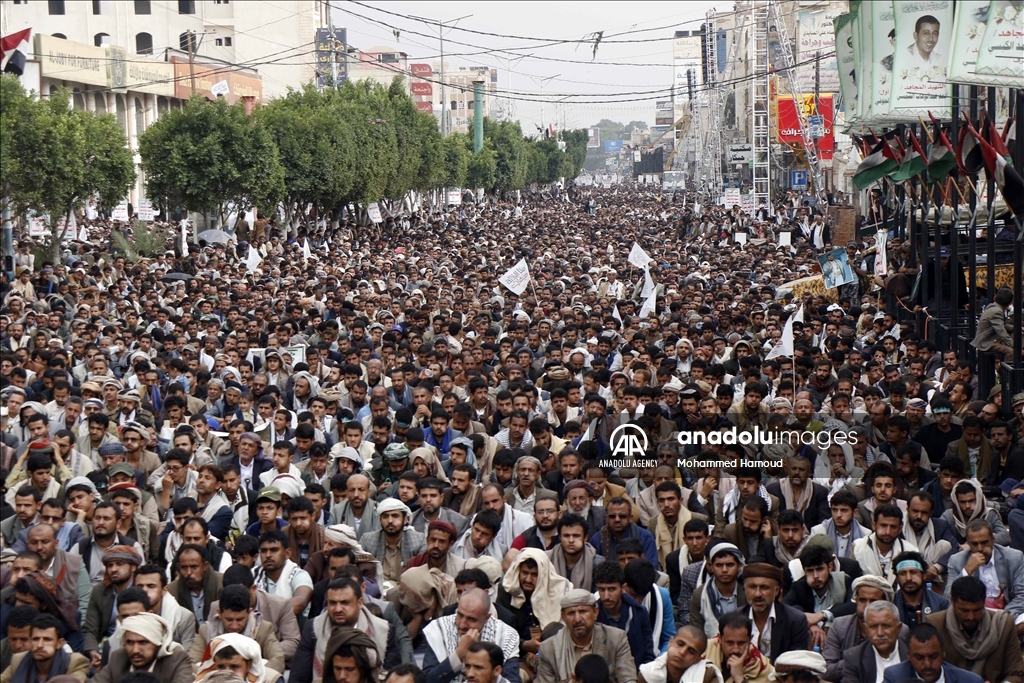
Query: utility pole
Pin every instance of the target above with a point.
(192, 59)
(444, 94)
(817, 99)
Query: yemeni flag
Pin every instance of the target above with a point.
(880, 162)
(941, 155)
(913, 162)
(968, 151)
(14, 51)
(997, 165)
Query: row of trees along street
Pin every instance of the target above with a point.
(356, 144)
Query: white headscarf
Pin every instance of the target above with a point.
(154, 629)
(243, 645)
(392, 505)
(547, 596)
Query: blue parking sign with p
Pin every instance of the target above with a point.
(798, 179)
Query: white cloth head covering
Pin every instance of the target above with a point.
(342, 534)
(243, 645)
(551, 586)
(288, 485)
(391, 505)
(154, 629)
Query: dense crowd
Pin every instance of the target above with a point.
(344, 453)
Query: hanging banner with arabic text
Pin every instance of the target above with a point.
(924, 37)
(846, 64)
(969, 27)
(1002, 48)
(883, 47)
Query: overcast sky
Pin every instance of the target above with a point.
(596, 79)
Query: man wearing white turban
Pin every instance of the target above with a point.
(395, 543)
(234, 652)
(148, 646)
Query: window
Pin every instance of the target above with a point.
(56, 7)
(142, 7)
(227, 42)
(122, 112)
(186, 7)
(100, 102)
(223, 42)
(20, 2)
(101, 39)
(78, 99)
(60, 35)
(455, 105)
(140, 117)
(218, 42)
(185, 38)
(221, 2)
(161, 106)
(100, 7)
(143, 44)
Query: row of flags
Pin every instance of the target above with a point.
(978, 147)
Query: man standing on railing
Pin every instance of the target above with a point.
(994, 326)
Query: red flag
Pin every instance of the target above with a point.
(14, 50)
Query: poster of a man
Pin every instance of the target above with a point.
(922, 51)
(835, 268)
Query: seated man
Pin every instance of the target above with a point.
(684, 658)
(913, 599)
(447, 640)
(166, 661)
(846, 631)
(238, 654)
(969, 504)
(787, 629)
(47, 659)
(1001, 569)
(983, 641)
(234, 614)
(842, 527)
(581, 634)
(925, 661)
(880, 482)
(621, 611)
(734, 654)
(721, 592)
(882, 649)
(821, 594)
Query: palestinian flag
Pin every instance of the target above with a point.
(968, 153)
(14, 50)
(913, 163)
(880, 162)
(997, 165)
(941, 155)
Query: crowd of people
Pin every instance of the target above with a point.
(345, 454)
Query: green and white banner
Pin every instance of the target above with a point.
(883, 46)
(847, 65)
(923, 40)
(1002, 47)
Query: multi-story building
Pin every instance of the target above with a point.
(275, 39)
(381, 64)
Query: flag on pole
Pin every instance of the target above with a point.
(785, 345)
(306, 253)
(616, 314)
(997, 165)
(517, 278)
(253, 260)
(83, 234)
(968, 153)
(648, 284)
(913, 162)
(650, 305)
(638, 257)
(14, 50)
(880, 162)
(941, 155)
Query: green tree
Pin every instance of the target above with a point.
(482, 167)
(456, 160)
(211, 153)
(58, 158)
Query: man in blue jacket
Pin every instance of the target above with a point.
(925, 661)
(619, 610)
(620, 527)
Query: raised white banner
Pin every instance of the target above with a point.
(517, 278)
(638, 257)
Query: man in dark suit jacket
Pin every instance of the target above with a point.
(818, 583)
(882, 626)
(924, 661)
(816, 510)
(761, 583)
